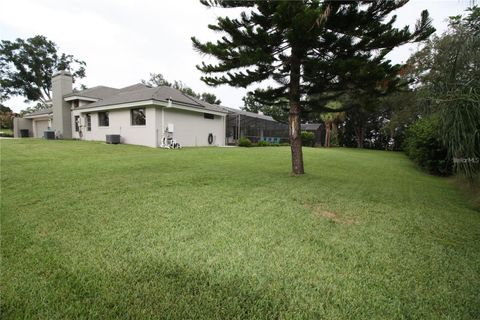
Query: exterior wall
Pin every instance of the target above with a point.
(191, 129)
(21, 123)
(119, 123)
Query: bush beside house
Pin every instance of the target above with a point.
(244, 142)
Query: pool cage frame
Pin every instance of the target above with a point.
(254, 127)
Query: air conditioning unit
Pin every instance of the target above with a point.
(113, 138)
(49, 135)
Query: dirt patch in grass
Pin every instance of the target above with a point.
(318, 210)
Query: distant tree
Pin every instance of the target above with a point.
(361, 116)
(278, 111)
(6, 117)
(37, 107)
(210, 98)
(331, 120)
(80, 88)
(27, 67)
(305, 46)
(250, 104)
(179, 85)
(399, 111)
(4, 108)
(158, 80)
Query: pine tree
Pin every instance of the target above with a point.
(308, 47)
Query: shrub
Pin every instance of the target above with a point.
(6, 134)
(423, 144)
(244, 142)
(308, 138)
(263, 144)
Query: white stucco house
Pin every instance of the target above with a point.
(140, 114)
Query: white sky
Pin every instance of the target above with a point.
(123, 41)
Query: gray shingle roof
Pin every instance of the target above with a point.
(310, 126)
(98, 92)
(39, 112)
(213, 107)
(130, 94)
(108, 96)
(249, 114)
(134, 87)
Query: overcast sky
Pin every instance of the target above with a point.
(123, 41)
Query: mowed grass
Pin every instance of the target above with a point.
(90, 230)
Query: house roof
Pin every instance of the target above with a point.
(140, 92)
(310, 126)
(249, 114)
(134, 87)
(98, 92)
(39, 112)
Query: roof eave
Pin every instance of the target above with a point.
(147, 102)
(77, 97)
(34, 116)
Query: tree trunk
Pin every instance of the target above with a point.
(294, 116)
(335, 133)
(327, 135)
(359, 136)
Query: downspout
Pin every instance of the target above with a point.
(238, 128)
(225, 130)
(163, 121)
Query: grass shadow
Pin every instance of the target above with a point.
(146, 290)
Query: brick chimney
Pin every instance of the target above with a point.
(62, 118)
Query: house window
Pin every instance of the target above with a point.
(77, 120)
(75, 103)
(208, 116)
(103, 120)
(89, 122)
(138, 117)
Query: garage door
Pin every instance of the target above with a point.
(41, 125)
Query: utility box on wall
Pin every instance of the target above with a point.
(170, 128)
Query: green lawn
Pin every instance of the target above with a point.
(90, 230)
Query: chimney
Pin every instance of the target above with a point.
(62, 118)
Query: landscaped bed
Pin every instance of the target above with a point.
(90, 230)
